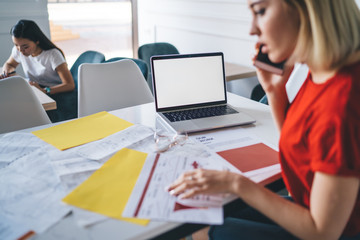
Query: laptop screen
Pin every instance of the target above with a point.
(188, 80)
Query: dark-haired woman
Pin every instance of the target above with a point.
(43, 63)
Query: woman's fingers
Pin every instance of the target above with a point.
(190, 193)
(185, 181)
(201, 181)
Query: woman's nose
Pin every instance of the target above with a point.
(254, 30)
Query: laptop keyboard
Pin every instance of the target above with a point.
(199, 113)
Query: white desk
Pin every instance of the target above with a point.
(235, 71)
(145, 114)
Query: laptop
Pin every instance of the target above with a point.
(190, 92)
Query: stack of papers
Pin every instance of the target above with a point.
(36, 174)
(104, 166)
(233, 150)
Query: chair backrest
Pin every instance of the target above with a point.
(257, 93)
(67, 102)
(146, 51)
(110, 86)
(85, 57)
(19, 106)
(140, 63)
(159, 48)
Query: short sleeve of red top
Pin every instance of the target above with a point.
(321, 133)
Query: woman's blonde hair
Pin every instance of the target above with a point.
(329, 32)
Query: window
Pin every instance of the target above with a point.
(100, 25)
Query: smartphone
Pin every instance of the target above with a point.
(262, 61)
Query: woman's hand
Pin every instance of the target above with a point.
(203, 181)
(35, 84)
(7, 73)
(270, 81)
(274, 87)
(9, 68)
(3, 75)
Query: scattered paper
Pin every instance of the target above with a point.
(10, 230)
(17, 144)
(85, 218)
(31, 190)
(102, 148)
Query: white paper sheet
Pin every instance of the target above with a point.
(102, 148)
(150, 200)
(226, 139)
(70, 167)
(10, 230)
(17, 144)
(31, 190)
(75, 165)
(85, 218)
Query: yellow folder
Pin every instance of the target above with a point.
(82, 130)
(108, 189)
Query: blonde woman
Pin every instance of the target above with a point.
(320, 130)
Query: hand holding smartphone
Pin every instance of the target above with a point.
(262, 61)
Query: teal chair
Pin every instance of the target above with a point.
(67, 103)
(258, 94)
(140, 63)
(146, 51)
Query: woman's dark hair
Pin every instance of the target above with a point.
(30, 30)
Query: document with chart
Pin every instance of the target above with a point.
(150, 200)
(244, 151)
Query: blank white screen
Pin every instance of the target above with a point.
(185, 81)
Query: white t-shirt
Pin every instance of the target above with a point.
(41, 69)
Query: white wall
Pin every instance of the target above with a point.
(13, 10)
(199, 26)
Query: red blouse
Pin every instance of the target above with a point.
(321, 133)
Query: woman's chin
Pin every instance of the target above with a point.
(276, 59)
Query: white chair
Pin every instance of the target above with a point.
(110, 86)
(19, 106)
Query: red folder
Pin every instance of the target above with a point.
(251, 157)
